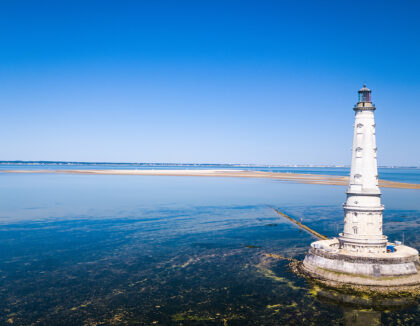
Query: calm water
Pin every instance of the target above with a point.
(96, 249)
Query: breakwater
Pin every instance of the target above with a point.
(302, 226)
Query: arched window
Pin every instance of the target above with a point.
(355, 229)
(355, 218)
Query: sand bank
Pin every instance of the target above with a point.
(301, 178)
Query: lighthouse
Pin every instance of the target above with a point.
(358, 257)
(363, 209)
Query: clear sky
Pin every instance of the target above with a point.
(264, 82)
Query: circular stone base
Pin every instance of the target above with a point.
(387, 272)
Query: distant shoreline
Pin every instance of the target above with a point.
(297, 177)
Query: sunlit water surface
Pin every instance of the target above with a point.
(97, 249)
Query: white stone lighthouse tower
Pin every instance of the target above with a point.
(363, 209)
(359, 256)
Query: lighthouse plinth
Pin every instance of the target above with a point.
(361, 255)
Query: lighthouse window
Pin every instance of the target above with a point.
(355, 218)
(359, 125)
(364, 96)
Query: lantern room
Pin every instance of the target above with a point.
(364, 94)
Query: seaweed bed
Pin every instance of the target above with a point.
(127, 271)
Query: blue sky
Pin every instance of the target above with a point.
(264, 82)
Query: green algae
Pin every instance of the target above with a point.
(279, 305)
(185, 316)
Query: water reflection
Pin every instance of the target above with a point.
(362, 309)
(358, 317)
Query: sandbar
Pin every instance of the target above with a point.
(296, 177)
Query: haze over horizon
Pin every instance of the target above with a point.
(245, 82)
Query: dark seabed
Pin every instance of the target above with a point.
(100, 250)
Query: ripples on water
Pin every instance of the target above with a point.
(91, 249)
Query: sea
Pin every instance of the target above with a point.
(164, 250)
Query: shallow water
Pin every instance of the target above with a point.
(91, 249)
